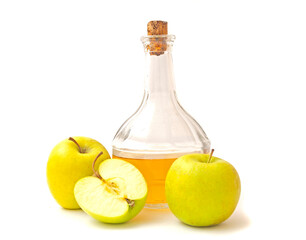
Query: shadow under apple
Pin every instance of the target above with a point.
(145, 217)
(238, 221)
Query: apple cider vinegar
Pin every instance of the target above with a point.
(160, 130)
(155, 172)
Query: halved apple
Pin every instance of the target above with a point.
(115, 195)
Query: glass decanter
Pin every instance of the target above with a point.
(160, 130)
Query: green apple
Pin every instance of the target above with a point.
(115, 195)
(202, 190)
(69, 161)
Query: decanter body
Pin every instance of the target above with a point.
(160, 130)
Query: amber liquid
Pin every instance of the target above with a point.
(155, 172)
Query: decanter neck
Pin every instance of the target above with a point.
(159, 79)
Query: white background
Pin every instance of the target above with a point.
(75, 68)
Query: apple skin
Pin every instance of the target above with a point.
(66, 165)
(200, 193)
(130, 212)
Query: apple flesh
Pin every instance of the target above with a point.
(202, 190)
(117, 195)
(69, 161)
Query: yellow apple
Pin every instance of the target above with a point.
(202, 190)
(115, 195)
(69, 161)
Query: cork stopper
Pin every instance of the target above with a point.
(157, 28)
(157, 45)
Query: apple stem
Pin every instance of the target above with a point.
(73, 140)
(93, 167)
(130, 202)
(210, 156)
